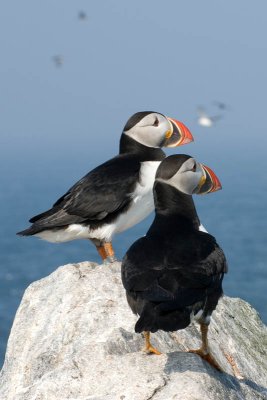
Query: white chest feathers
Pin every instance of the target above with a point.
(141, 206)
(142, 198)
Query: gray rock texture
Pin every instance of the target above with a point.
(73, 338)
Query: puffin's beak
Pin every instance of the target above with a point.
(178, 134)
(209, 182)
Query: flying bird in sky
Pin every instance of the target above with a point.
(220, 105)
(82, 16)
(206, 120)
(58, 60)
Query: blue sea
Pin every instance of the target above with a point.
(236, 216)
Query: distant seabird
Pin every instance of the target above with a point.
(82, 15)
(206, 120)
(222, 106)
(58, 60)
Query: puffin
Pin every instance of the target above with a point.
(116, 194)
(173, 275)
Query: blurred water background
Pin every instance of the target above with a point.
(59, 121)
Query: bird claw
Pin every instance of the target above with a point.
(207, 357)
(151, 350)
(109, 260)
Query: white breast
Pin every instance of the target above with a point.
(142, 205)
(143, 202)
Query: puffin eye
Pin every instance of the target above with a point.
(156, 123)
(194, 167)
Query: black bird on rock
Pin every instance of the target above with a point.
(117, 194)
(174, 274)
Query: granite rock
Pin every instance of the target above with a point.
(73, 338)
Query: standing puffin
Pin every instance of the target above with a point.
(174, 274)
(117, 194)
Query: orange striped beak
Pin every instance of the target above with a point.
(209, 182)
(178, 134)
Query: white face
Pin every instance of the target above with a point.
(188, 178)
(151, 130)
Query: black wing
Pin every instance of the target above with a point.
(105, 190)
(178, 273)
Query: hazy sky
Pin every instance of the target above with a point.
(128, 56)
(58, 123)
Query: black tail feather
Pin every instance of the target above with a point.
(147, 320)
(27, 232)
(32, 230)
(154, 318)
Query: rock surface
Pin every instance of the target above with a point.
(73, 338)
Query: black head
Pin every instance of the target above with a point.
(136, 118)
(153, 129)
(185, 174)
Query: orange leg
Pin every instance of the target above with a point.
(110, 255)
(102, 252)
(148, 346)
(204, 352)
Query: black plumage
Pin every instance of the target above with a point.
(100, 195)
(175, 271)
(135, 119)
(96, 198)
(117, 194)
(171, 273)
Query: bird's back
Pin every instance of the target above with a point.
(100, 193)
(167, 277)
